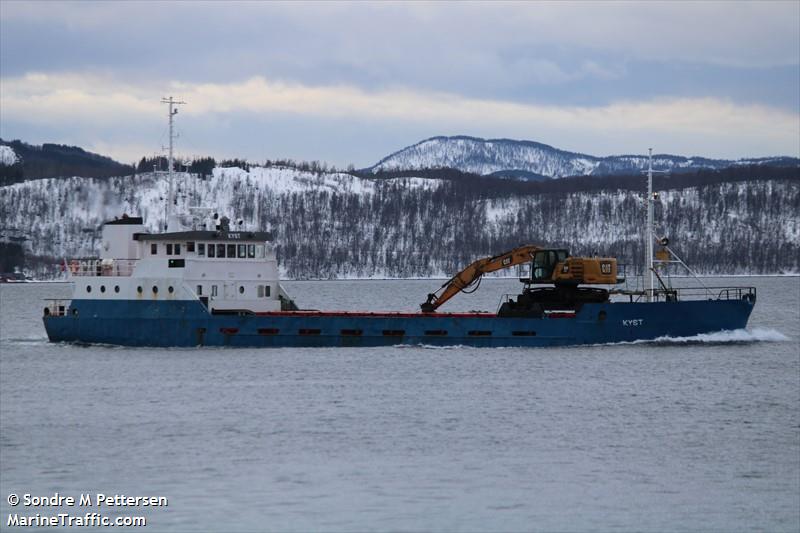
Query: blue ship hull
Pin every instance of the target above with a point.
(188, 323)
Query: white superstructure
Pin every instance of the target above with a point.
(225, 270)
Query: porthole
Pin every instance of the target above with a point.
(171, 290)
(102, 288)
(601, 315)
(74, 312)
(241, 289)
(116, 288)
(139, 289)
(88, 288)
(155, 289)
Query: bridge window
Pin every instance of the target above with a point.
(177, 249)
(189, 247)
(260, 250)
(154, 249)
(251, 251)
(201, 248)
(231, 250)
(169, 248)
(242, 251)
(211, 250)
(220, 250)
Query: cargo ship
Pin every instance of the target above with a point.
(206, 284)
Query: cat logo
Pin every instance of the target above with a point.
(605, 267)
(506, 261)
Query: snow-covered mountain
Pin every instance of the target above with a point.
(532, 160)
(332, 225)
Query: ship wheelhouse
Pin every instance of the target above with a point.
(227, 271)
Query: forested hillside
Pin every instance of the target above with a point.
(338, 225)
(25, 161)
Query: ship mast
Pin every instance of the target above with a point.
(172, 112)
(649, 264)
(648, 249)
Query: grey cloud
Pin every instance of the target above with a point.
(568, 54)
(474, 49)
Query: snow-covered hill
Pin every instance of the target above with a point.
(338, 225)
(7, 155)
(510, 157)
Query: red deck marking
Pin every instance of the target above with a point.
(378, 314)
(560, 313)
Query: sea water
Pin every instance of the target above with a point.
(678, 435)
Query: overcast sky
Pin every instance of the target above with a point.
(350, 83)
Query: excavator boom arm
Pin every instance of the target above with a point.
(474, 271)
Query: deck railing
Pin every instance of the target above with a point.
(674, 294)
(692, 293)
(101, 267)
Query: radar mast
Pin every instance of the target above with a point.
(171, 196)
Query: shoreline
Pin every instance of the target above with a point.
(315, 280)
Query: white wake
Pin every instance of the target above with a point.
(732, 336)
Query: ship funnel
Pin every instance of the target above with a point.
(117, 238)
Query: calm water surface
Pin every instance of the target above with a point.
(691, 435)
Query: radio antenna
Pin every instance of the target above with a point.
(172, 112)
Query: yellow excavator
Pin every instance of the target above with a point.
(548, 266)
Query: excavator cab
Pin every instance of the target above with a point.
(544, 262)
